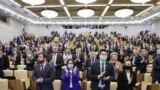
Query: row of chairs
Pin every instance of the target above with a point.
(25, 76)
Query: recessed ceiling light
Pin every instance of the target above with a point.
(85, 1)
(85, 13)
(49, 13)
(140, 1)
(34, 2)
(123, 13)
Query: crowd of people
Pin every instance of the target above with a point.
(101, 56)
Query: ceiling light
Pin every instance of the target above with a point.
(62, 2)
(67, 11)
(85, 13)
(49, 13)
(105, 10)
(85, 1)
(15, 3)
(123, 13)
(140, 1)
(34, 2)
(110, 2)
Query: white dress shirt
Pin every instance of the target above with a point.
(71, 86)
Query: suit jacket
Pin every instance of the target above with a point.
(95, 71)
(88, 65)
(118, 67)
(1, 73)
(4, 62)
(48, 75)
(18, 59)
(140, 66)
(66, 80)
(59, 64)
(78, 64)
(123, 81)
(156, 69)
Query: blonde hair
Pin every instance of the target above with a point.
(113, 53)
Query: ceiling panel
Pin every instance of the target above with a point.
(97, 6)
(137, 9)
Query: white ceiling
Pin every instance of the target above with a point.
(143, 13)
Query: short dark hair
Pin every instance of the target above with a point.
(103, 50)
(69, 60)
(44, 54)
(72, 62)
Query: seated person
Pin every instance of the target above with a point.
(70, 77)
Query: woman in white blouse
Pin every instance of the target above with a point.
(67, 55)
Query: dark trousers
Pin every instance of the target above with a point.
(107, 87)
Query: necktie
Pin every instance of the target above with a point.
(102, 67)
(53, 59)
(102, 82)
(41, 69)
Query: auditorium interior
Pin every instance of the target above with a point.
(128, 29)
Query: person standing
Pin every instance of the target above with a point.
(4, 61)
(70, 77)
(141, 62)
(101, 73)
(156, 70)
(90, 61)
(56, 59)
(43, 73)
(118, 66)
(78, 58)
(127, 78)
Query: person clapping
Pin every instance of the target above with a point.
(70, 77)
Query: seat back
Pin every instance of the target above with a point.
(57, 84)
(147, 78)
(149, 70)
(8, 72)
(88, 85)
(113, 86)
(21, 67)
(21, 74)
(143, 86)
(3, 84)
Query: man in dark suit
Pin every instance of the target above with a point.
(101, 73)
(57, 60)
(156, 70)
(1, 73)
(43, 74)
(141, 62)
(133, 57)
(90, 61)
(78, 58)
(4, 61)
(16, 57)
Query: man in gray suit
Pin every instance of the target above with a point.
(43, 74)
